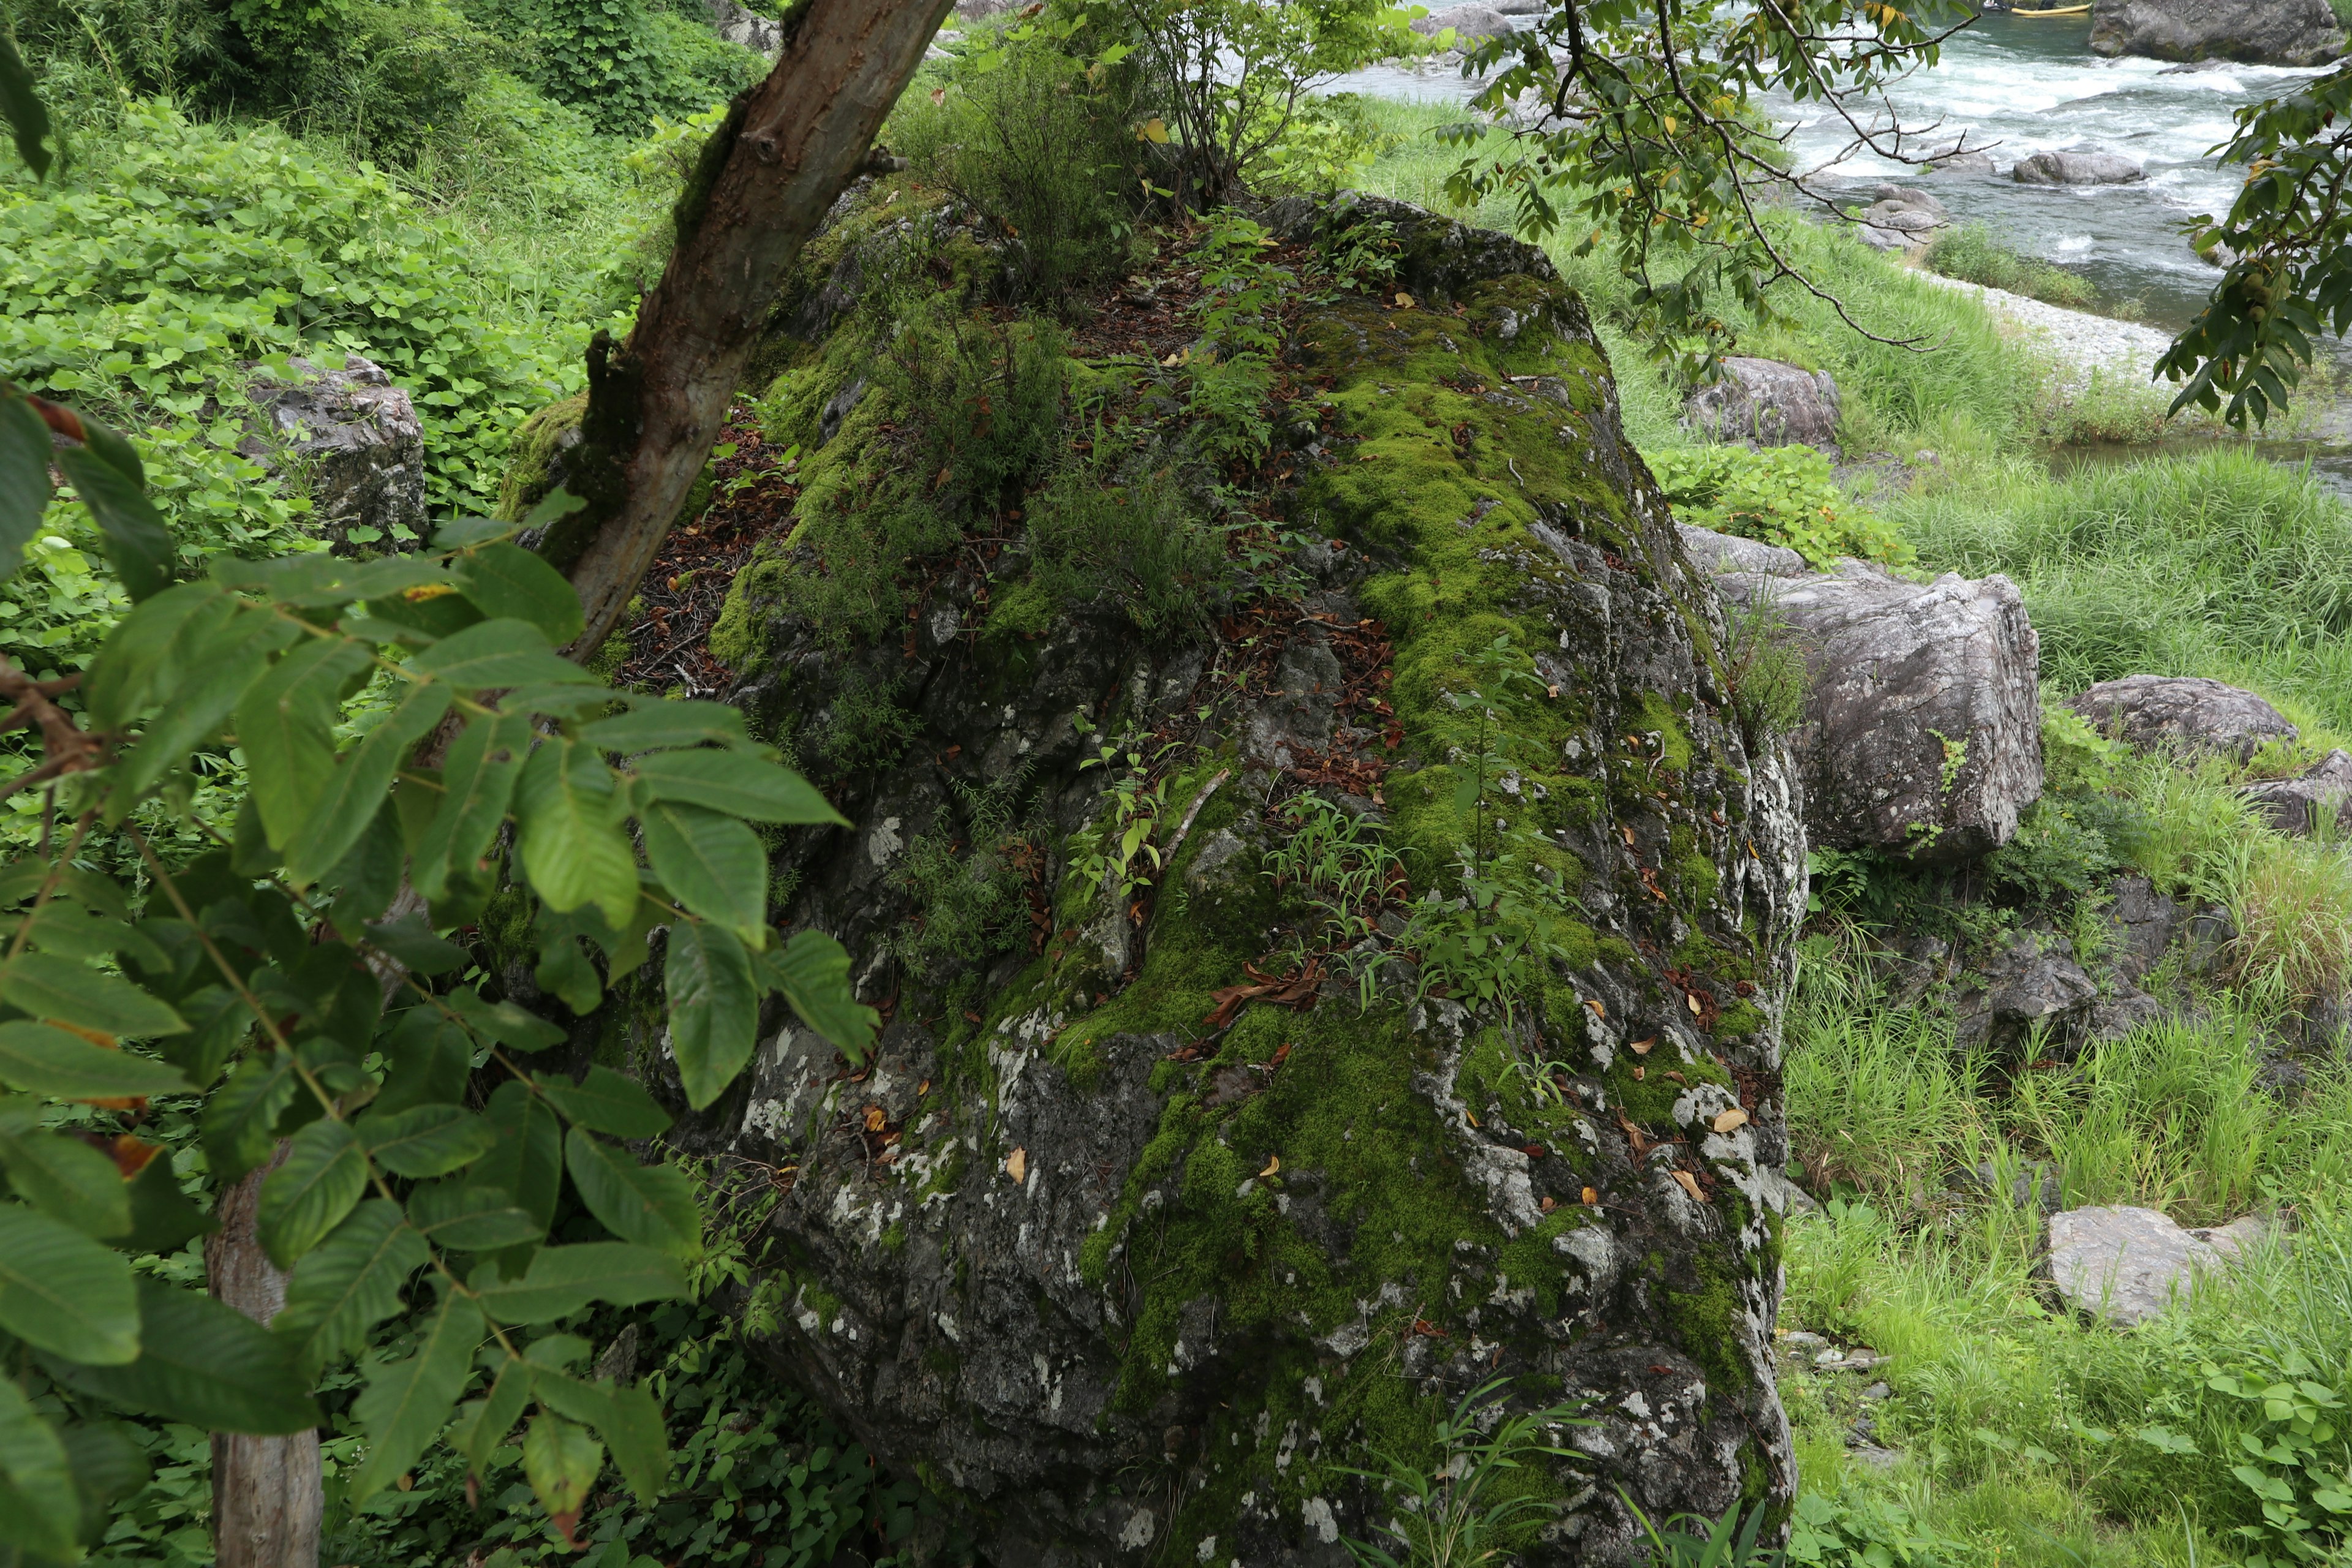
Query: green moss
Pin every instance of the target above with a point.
(1706, 1323)
(532, 453)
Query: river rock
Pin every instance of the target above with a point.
(1130, 1282)
(1922, 735)
(1471, 23)
(2076, 168)
(1959, 160)
(1768, 403)
(2125, 1266)
(2256, 32)
(1901, 216)
(2183, 713)
(2293, 805)
(352, 441)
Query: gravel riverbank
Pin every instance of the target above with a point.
(2075, 339)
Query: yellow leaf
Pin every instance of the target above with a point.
(874, 1120)
(1692, 998)
(1016, 1165)
(1273, 1164)
(1735, 1117)
(1641, 1048)
(1590, 1197)
(1404, 301)
(1599, 1010)
(1152, 129)
(1689, 1183)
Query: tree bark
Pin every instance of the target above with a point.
(766, 178)
(268, 1498)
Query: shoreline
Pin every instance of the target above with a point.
(2078, 340)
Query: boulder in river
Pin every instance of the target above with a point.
(2076, 168)
(2254, 32)
(2187, 713)
(1769, 404)
(1900, 218)
(1135, 1254)
(1922, 735)
(352, 441)
(1471, 23)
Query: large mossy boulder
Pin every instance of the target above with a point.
(1159, 1208)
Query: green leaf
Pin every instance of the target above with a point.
(406, 1402)
(483, 1424)
(40, 1506)
(40, 1060)
(607, 1102)
(527, 1162)
(563, 1279)
(64, 1293)
(24, 474)
(47, 986)
(325, 1172)
(349, 1283)
(813, 971)
(21, 106)
(285, 726)
(713, 865)
(652, 1206)
(200, 1363)
(65, 1178)
(714, 1009)
(477, 781)
(636, 1434)
(564, 972)
(499, 654)
(137, 543)
(367, 879)
(412, 942)
(562, 1459)
(506, 581)
(736, 784)
(467, 1216)
(504, 1022)
(568, 810)
(355, 792)
(427, 1141)
(241, 1117)
(660, 726)
(225, 653)
(161, 1217)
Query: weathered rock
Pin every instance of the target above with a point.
(1768, 403)
(738, 25)
(352, 441)
(2026, 996)
(2294, 806)
(1717, 553)
(2256, 32)
(1901, 216)
(2144, 921)
(2076, 168)
(1470, 23)
(1923, 730)
(1954, 160)
(2183, 713)
(2128, 1265)
(1130, 1287)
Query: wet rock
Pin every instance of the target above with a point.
(1953, 160)
(2293, 805)
(352, 441)
(1902, 216)
(2255, 31)
(2079, 168)
(2125, 1266)
(1767, 404)
(2183, 713)
(2112, 1017)
(1471, 23)
(1716, 554)
(1923, 730)
(2023, 996)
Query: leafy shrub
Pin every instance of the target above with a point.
(986, 398)
(617, 61)
(968, 885)
(1782, 495)
(1045, 153)
(1141, 546)
(2061, 852)
(1971, 253)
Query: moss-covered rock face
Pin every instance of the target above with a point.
(1158, 1209)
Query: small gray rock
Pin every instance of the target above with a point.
(2128, 1265)
(2185, 713)
(1956, 163)
(2293, 805)
(1798, 1340)
(352, 440)
(2076, 169)
(1767, 404)
(1877, 1391)
(1716, 554)
(763, 34)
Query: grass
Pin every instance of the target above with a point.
(1969, 252)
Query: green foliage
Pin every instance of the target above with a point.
(1971, 253)
(1787, 496)
(1112, 859)
(864, 728)
(1693, 1541)
(1764, 668)
(1232, 376)
(1471, 1504)
(2060, 853)
(969, 885)
(2294, 1460)
(1044, 151)
(626, 66)
(1141, 546)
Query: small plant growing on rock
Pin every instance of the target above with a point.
(1466, 1510)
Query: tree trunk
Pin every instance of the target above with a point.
(765, 180)
(266, 1495)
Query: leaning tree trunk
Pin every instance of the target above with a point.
(267, 1496)
(765, 180)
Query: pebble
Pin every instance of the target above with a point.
(1802, 1341)
(2081, 341)
(1878, 1391)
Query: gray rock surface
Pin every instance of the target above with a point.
(2128, 1265)
(1470, 23)
(2256, 32)
(1717, 553)
(2144, 921)
(2026, 999)
(1969, 161)
(739, 24)
(2294, 806)
(1900, 218)
(2184, 713)
(351, 440)
(1923, 726)
(1767, 404)
(2076, 168)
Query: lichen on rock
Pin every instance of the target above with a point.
(1162, 1206)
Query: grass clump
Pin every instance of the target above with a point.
(1969, 252)
(1143, 546)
